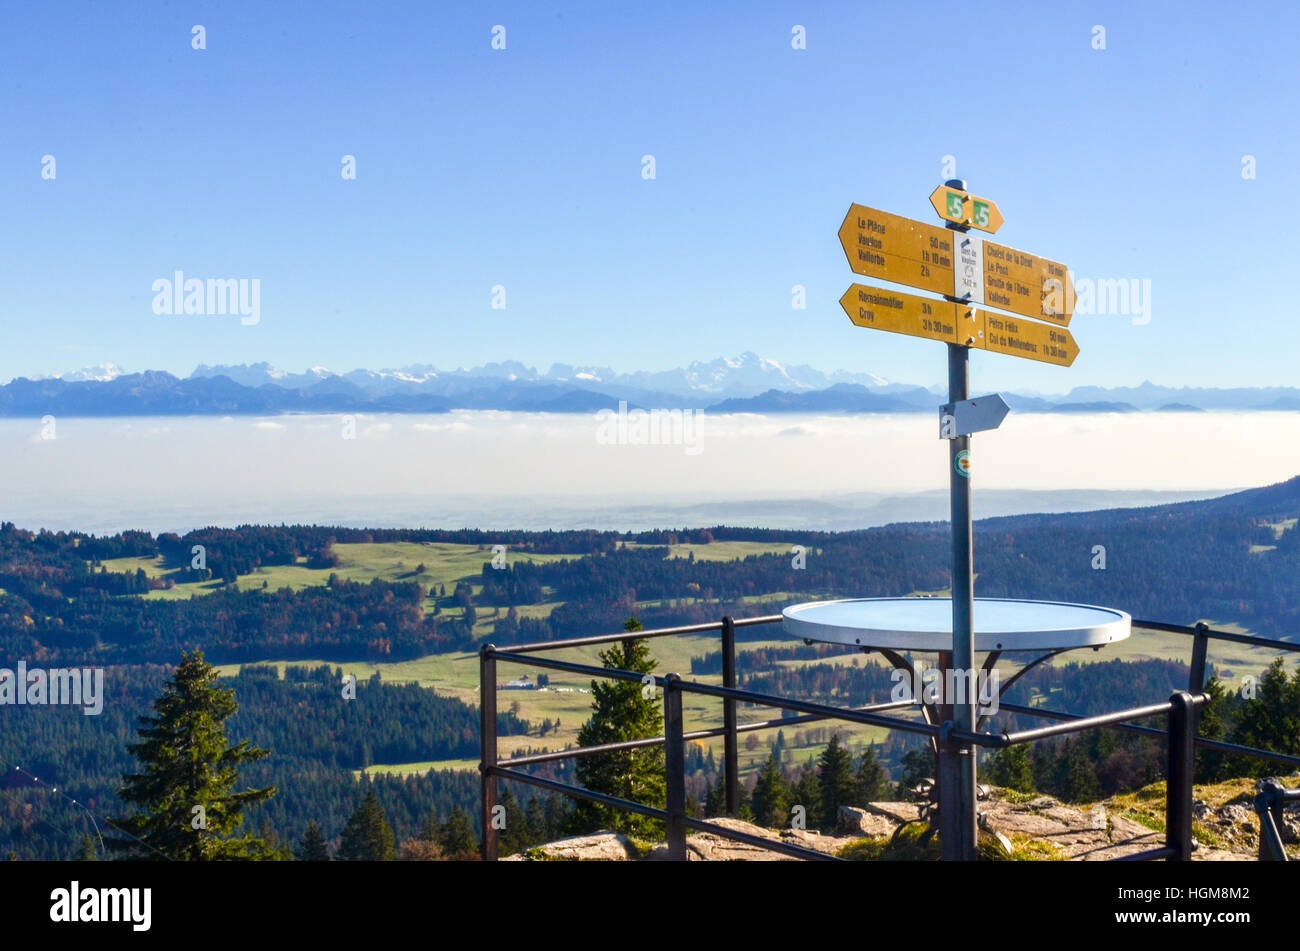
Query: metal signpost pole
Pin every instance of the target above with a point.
(973, 275)
(960, 841)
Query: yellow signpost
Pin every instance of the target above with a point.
(971, 274)
(1024, 338)
(1027, 284)
(961, 208)
(949, 322)
(893, 248)
(909, 314)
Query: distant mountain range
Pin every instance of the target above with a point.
(745, 384)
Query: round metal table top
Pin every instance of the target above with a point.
(925, 624)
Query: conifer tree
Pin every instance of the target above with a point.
(1012, 767)
(312, 848)
(917, 765)
(367, 836)
(772, 795)
(457, 836)
(514, 837)
(1271, 719)
(808, 794)
(836, 764)
(870, 781)
(622, 711)
(185, 790)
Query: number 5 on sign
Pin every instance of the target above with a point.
(962, 208)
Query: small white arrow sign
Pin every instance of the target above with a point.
(972, 416)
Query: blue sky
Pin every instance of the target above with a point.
(522, 168)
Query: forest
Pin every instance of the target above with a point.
(1234, 559)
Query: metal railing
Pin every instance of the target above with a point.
(1268, 804)
(1180, 710)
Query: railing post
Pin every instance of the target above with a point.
(731, 748)
(1196, 674)
(675, 768)
(487, 702)
(1178, 788)
(950, 801)
(1268, 805)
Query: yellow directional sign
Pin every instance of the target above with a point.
(894, 248)
(909, 314)
(1027, 284)
(962, 208)
(900, 313)
(1024, 338)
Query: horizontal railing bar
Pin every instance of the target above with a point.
(1204, 742)
(770, 845)
(577, 751)
(568, 666)
(1054, 715)
(812, 717)
(1252, 639)
(626, 805)
(1071, 726)
(637, 635)
(1164, 852)
(761, 619)
(830, 713)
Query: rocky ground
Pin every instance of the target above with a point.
(1014, 825)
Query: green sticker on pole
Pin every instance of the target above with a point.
(962, 463)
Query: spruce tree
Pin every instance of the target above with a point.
(836, 764)
(535, 823)
(1271, 719)
(367, 836)
(312, 848)
(772, 795)
(870, 781)
(514, 837)
(918, 764)
(1211, 766)
(185, 790)
(621, 712)
(458, 838)
(1013, 768)
(808, 794)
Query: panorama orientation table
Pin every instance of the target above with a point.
(892, 626)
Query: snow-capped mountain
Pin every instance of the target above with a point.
(101, 372)
(723, 378)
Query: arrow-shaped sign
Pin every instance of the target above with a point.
(893, 248)
(1027, 284)
(1025, 338)
(962, 208)
(909, 314)
(972, 416)
(901, 313)
(962, 265)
